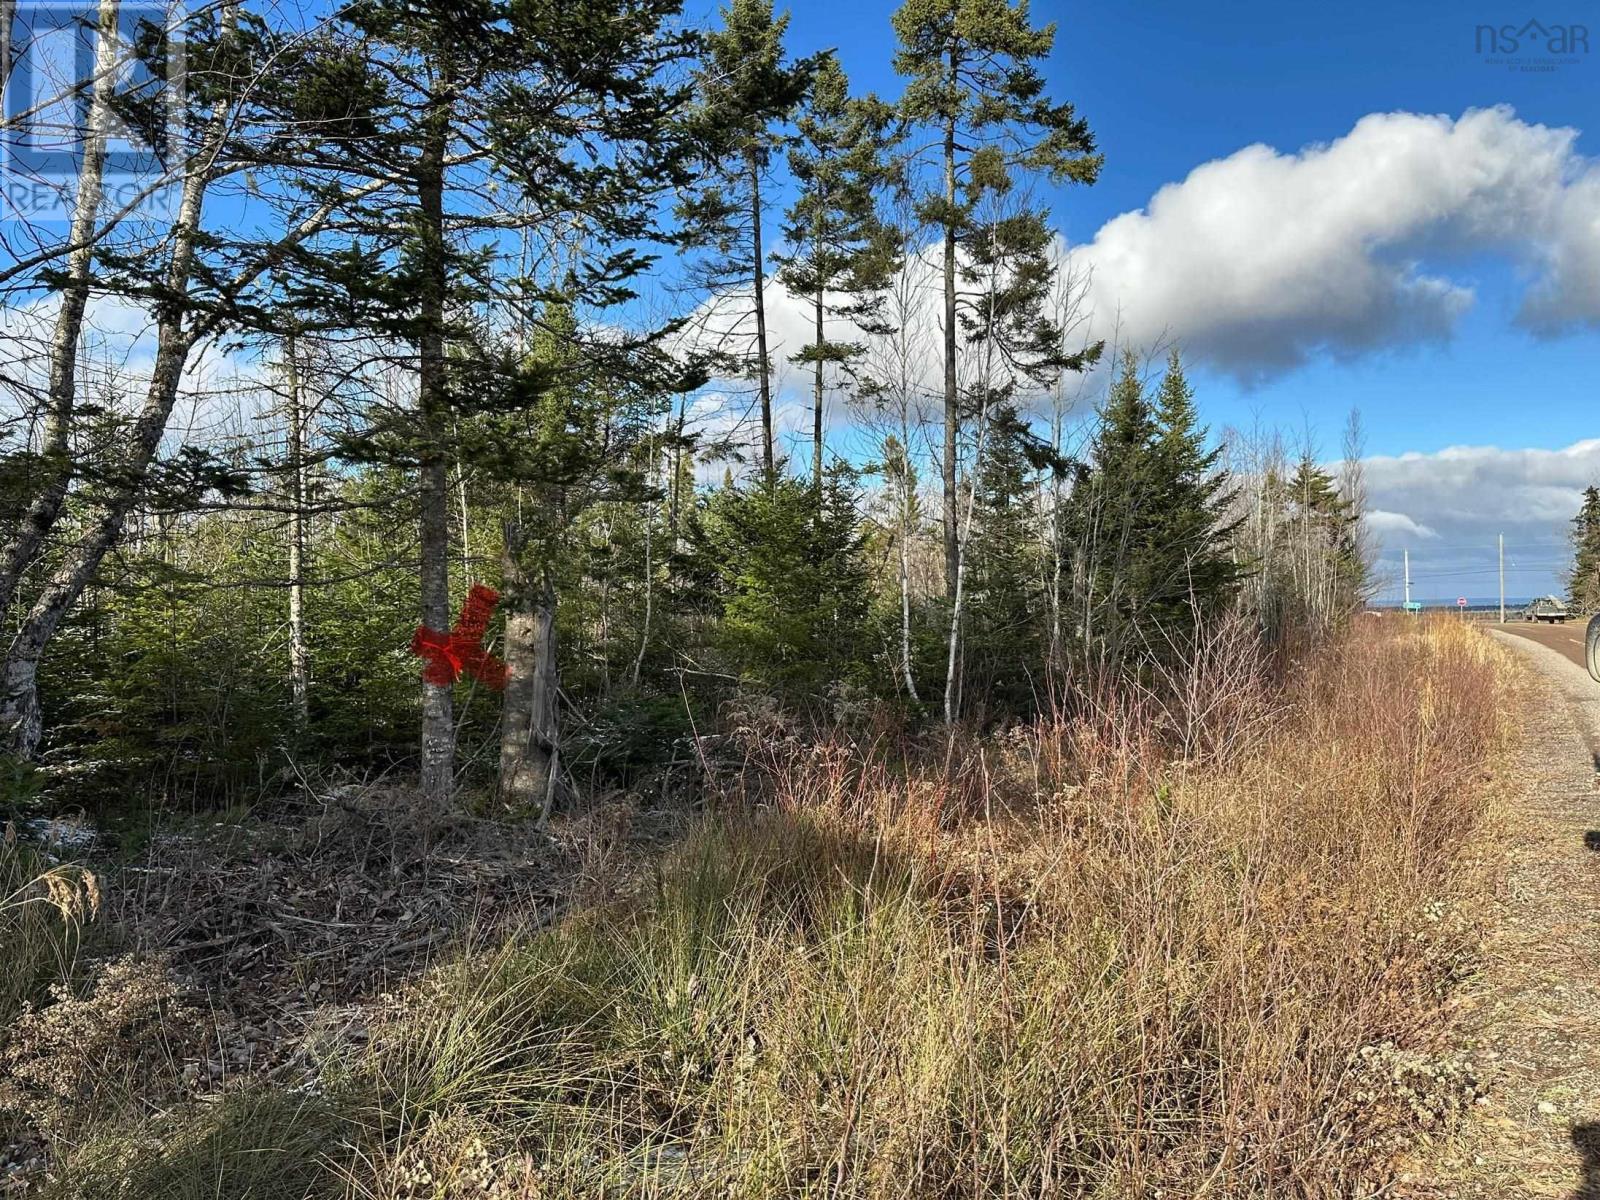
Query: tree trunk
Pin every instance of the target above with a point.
(952, 679)
(529, 744)
(649, 587)
(905, 587)
(438, 711)
(8, 25)
(299, 656)
(763, 363)
(20, 725)
(952, 415)
(675, 501)
(1053, 530)
(464, 510)
(26, 539)
(816, 404)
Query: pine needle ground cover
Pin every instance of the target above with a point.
(1063, 962)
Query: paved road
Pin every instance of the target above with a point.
(1567, 638)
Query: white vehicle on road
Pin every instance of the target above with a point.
(1547, 608)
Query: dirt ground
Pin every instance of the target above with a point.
(1533, 1016)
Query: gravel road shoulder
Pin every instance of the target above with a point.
(1534, 1015)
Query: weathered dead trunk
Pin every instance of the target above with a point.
(529, 730)
(55, 460)
(299, 655)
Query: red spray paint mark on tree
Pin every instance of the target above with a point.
(446, 655)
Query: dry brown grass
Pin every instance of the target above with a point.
(1060, 968)
(1062, 961)
(44, 908)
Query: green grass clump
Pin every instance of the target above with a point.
(258, 1144)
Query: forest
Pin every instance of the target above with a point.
(451, 352)
(556, 528)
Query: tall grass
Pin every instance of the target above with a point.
(1058, 965)
(1082, 973)
(44, 907)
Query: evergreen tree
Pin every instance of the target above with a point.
(1148, 522)
(1112, 517)
(1003, 647)
(747, 93)
(793, 582)
(842, 255)
(470, 124)
(1583, 582)
(1199, 573)
(1321, 548)
(975, 83)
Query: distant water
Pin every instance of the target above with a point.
(1474, 604)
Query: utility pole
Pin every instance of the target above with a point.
(1502, 579)
(1407, 554)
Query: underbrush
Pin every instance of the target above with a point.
(1058, 962)
(44, 907)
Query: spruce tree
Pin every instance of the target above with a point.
(793, 584)
(747, 93)
(472, 125)
(841, 254)
(1003, 646)
(975, 83)
(1197, 572)
(1583, 582)
(1113, 516)
(1149, 521)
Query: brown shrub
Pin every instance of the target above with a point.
(74, 1056)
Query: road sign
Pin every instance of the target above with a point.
(1461, 601)
(1413, 605)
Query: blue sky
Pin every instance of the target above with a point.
(1170, 86)
(1341, 208)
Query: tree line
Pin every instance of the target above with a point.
(449, 293)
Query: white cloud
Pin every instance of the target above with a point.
(1450, 507)
(1261, 260)
(1382, 522)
